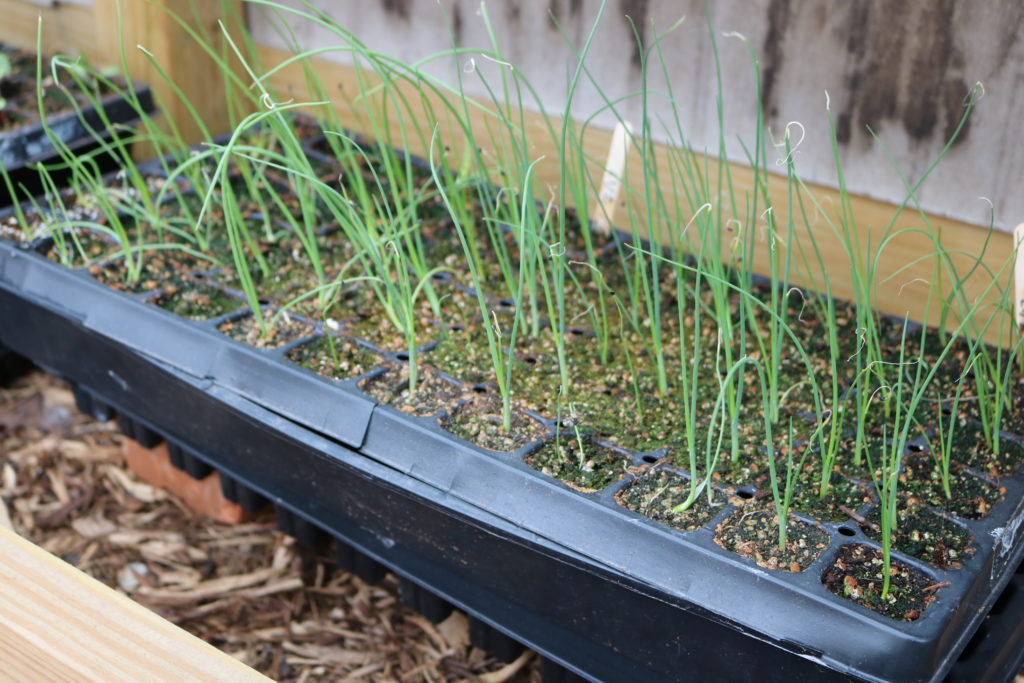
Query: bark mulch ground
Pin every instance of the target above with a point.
(247, 589)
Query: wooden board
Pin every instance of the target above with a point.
(903, 68)
(151, 26)
(67, 29)
(58, 624)
(905, 271)
(95, 32)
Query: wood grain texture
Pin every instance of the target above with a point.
(904, 68)
(151, 25)
(67, 29)
(905, 272)
(58, 624)
(96, 32)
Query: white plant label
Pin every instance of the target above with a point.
(611, 182)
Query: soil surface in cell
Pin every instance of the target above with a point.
(753, 531)
(580, 462)
(480, 421)
(334, 356)
(432, 395)
(280, 329)
(856, 575)
(926, 535)
(658, 492)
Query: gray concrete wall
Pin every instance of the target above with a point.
(902, 67)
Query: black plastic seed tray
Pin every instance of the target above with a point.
(30, 143)
(82, 131)
(607, 593)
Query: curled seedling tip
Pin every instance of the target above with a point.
(496, 325)
(803, 301)
(511, 67)
(693, 218)
(785, 142)
(270, 104)
(975, 94)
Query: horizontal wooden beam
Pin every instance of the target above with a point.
(59, 624)
(905, 271)
(67, 29)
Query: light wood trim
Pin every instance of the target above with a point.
(67, 29)
(93, 31)
(1018, 276)
(150, 24)
(906, 293)
(58, 624)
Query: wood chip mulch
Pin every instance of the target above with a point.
(247, 589)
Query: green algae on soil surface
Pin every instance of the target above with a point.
(658, 490)
(580, 462)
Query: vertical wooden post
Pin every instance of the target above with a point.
(150, 24)
(1018, 276)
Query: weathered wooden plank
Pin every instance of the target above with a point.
(58, 624)
(903, 68)
(525, 32)
(95, 32)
